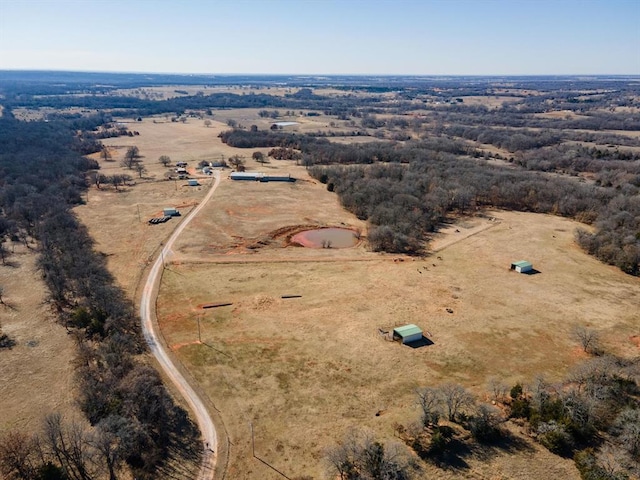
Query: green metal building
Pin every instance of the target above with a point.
(408, 333)
(522, 266)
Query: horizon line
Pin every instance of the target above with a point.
(258, 74)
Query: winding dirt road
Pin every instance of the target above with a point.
(152, 337)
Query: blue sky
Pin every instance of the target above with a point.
(425, 37)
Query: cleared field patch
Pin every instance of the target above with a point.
(304, 370)
(489, 101)
(118, 223)
(562, 114)
(36, 375)
(172, 91)
(249, 217)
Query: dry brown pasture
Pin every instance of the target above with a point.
(36, 375)
(172, 91)
(305, 370)
(565, 114)
(489, 101)
(117, 220)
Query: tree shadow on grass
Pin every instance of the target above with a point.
(454, 457)
(11, 263)
(183, 452)
(506, 443)
(459, 449)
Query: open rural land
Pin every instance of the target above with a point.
(282, 232)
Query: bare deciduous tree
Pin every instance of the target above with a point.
(97, 179)
(588, 338)
(258, 157)
(430, 401)
(140, 168)
(236, 161)
(105, 154)
(165, 160)
(497, 388)
(131, 158)
(112, 439)
(17, 456)
(360, 457)
(67, 444)
(626, 428)
(455, 398)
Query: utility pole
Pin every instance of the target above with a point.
(139, 219)
(199, 338)
(253, 445)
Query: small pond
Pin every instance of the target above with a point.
(326, 238)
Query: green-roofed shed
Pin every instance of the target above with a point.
(522, 266)
(408, 333)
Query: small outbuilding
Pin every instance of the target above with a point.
(522, 266)
(408, 333)
(170, 212)
(193, 182)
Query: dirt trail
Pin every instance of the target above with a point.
(153, 338)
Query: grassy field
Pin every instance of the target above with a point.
(36, 375)
(304, 370)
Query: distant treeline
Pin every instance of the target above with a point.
(42, 177)
(440, 99)
(139, 106)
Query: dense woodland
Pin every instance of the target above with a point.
(135, 421)
(433, 155)
(407, 189)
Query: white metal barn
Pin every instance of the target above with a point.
(255, 176)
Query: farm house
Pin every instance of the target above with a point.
(522, 266)
(255, 176)
(408, 333)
